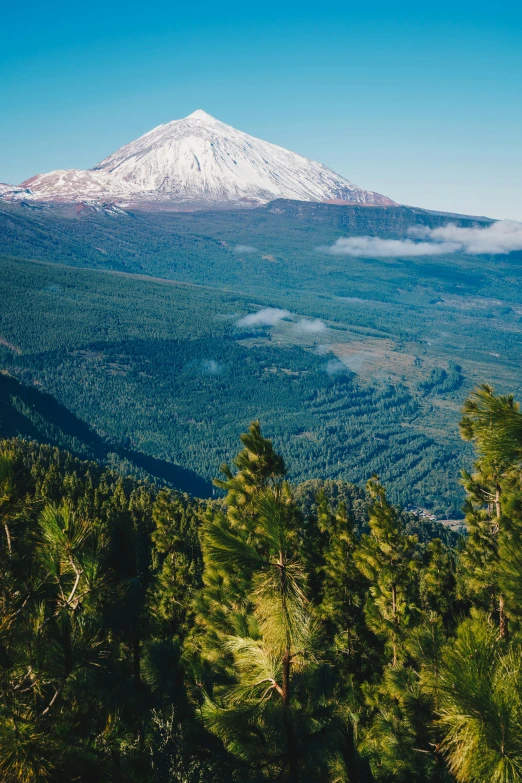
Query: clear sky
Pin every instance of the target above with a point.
(420, 101)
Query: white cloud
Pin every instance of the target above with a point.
(308, 326)
(244, 249)
(500, 237)
(266, 317)
(374, 247)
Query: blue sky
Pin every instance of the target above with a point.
(419, 101)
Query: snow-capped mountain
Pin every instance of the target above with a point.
(200, 159)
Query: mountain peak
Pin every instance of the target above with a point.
(199, 114)
(200, 159)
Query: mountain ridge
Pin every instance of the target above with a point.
(30, 413)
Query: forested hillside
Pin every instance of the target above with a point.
(30, 413)
(177, 243)
(281, 632)
(162, 370)
(369, 367)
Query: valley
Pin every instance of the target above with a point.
(134, 318)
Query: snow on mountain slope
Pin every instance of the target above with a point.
(69, 183)
(6, 189)
(200, 159)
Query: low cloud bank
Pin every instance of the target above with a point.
(501, 237)
(269, 316)
(373, 247)
(310, 327)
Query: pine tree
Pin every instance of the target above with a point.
(277, 707)
(397, 740)
(50, 640)
(13, 503)
(437, 579)
(176, 562)
(386, 557)
(494, 424)
(341, 585)
(222, 606)
(481, 705)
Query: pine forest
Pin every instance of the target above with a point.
(277, 632)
